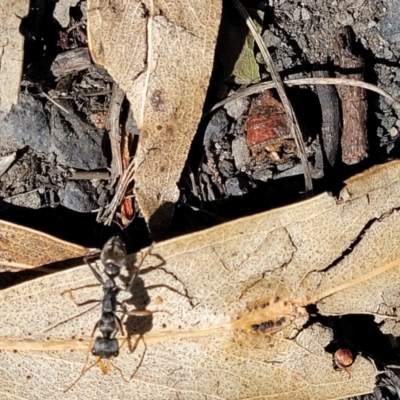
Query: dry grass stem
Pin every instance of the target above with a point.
(260, 87)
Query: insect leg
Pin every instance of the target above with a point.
(83, 372)
(71, 296)
(141, 337)
(136, 270)
(119, 325)
(89, 261)
(85, 369)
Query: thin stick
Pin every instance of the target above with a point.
(292, 120)
(107, 215)
(114, 111)
(260, 87)
(55, 103)
(101, 175)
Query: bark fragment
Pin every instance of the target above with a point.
(354, 108)
(330, 129)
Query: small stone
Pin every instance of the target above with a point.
(76, 196)
(241, 153)
(296, 14)
(235, 186)
(235, 109)
(76, 143)
(270, 39)
(390, 25)
(226, 168)
(216, 128)
(388, 122)
(393, 131)
(345, 18)
(27, 200)
(262, 175)
(305, 14)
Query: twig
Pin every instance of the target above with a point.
(55, 103)
(108, 213)
(260, 87)
(88, 94)
(79, 175)
(292, 120)
(114, 110)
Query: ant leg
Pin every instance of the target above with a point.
(85, 369)
(119, 325)
(87, 302)
(162, 285)
(136, 270)
(136, 313)
(83, 372)
(97, 275)
(158, 257)
(88, 260)
(141, 337)
(91, 257)
(69, 318)
(142, 313)
(71, 296)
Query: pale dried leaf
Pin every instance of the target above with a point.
(24, 248)
(61, 11)
(11, 51)
(161, 54)
(341, 255)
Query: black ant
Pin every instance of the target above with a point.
(113, 257)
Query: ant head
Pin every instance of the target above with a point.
(113, 256)
(105, 347)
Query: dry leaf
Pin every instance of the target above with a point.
(161, 54)
(260, 271)
(246, 69)
(11, 51)
(24, 248)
